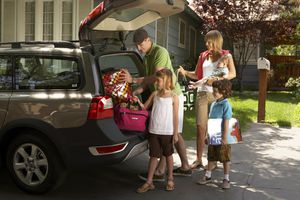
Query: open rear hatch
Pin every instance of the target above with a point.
(113, 18)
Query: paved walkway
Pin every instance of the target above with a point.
(265, 166)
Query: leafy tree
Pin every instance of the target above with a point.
(292, 11)
(245, 24)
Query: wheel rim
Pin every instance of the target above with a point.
(30, 164)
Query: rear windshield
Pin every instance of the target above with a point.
(46, 73)
(122, 60)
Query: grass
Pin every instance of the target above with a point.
(282, 109)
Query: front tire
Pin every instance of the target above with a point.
(34, 164)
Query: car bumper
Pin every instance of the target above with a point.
(137, 149)
(80, 144)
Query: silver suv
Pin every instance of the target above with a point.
(54, 113)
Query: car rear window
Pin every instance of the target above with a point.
(46, 73)
(118, 61)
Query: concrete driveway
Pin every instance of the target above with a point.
(265, 166)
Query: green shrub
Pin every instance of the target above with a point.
(294, 85)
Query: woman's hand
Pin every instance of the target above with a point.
(192, 85)
(181, 70)
(210, 80)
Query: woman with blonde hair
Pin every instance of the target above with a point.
(208, 62)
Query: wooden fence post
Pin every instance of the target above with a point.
(262, 95)
(263, 65)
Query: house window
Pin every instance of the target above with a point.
(193, 42)
(67, 20)
(29, 20)
(181, 38)
(161, 32)
(48, 20)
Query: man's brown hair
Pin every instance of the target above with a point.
(140, 35)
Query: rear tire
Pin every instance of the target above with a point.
(34, 164)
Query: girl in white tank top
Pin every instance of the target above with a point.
(163, 127)
(161, 121)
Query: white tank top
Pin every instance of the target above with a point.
(161, 121)
(208, 68)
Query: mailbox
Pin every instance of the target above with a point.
(263, 63)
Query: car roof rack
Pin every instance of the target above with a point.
(57, 44)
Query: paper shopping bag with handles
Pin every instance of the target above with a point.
(215, 134)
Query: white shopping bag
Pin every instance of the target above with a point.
(215, 134)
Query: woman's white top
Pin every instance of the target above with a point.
(161, 121)
(208, 68)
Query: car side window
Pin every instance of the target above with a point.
(5, 73)
(46, 73)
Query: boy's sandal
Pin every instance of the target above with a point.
(170, 185)
(197, 164)
(145, 187)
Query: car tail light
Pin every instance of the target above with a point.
(105, 150)
(101, 107)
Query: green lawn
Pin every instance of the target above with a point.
(282, 109)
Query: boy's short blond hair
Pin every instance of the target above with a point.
(216, 38)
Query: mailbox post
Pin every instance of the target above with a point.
(263, 65)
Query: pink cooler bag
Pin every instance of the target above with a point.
(130, 120)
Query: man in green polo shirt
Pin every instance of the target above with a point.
(155, 59)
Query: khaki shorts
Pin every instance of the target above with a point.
(180, 112)
(202, 105)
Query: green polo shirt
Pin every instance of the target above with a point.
(159, 57)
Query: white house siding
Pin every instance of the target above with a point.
(251, 77)
(180, 54)
(84, 7)
(12, 18)
(177, 53)
(8, 26)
